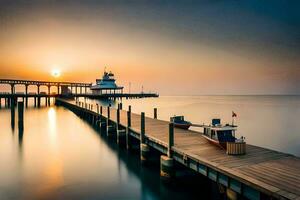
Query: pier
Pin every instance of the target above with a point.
(259, 174)
(63, 89)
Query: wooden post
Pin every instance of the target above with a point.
(21, 115)
(108, 126)
(129, 108)
(108, 112)
(128, 130)
(142, 135)
(101, 110)
(129, 118)
(171, 139)
(121, 106)
(155, 113)
(97, 108)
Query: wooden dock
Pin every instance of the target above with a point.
(260, 174)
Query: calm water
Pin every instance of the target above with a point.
(60, 156)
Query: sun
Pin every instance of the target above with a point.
(55, 73)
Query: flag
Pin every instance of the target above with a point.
(234, 114)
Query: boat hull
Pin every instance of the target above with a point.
(222, 145)
(182, 126)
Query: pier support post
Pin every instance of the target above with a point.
(155, 113)
(166, 168)
(231, 195)
(129, 108)
(97, 108)
(21, 115)
(166, 162)
(34, 101)
(121, 106)
(145, 153)
(144, 148)
(120, 132)
(108, 126)
(142, 135)
(0, 103)
(171, 139)
(128, 129)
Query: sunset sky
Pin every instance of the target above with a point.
(174, 47)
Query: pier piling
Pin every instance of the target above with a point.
(144, 148)
(155, 113)
(109, 127)
(166, 162)
(121, 132)
(128, 129)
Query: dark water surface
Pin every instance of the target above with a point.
(59, 156)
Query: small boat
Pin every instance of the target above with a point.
(179, 122)
(219, 134)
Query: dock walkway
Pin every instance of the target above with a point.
(258, 173)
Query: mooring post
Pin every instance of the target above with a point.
(171, 139)
(129, 108)
(128, 129)
(118, 116)
(21, 115)
(142, 135)
(155, 113)
(166, 162)
(120, 132)
(144, 148)
(108, 126)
